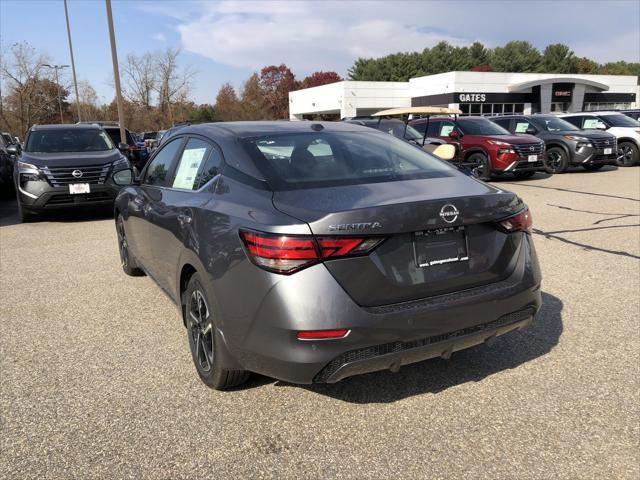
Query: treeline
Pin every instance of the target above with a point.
(516, 56)
(155, 87)
(265, 95)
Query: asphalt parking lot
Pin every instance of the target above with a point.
(97, 380)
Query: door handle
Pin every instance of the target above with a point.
(184, 219)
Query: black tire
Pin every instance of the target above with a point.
(479, 165)
(128, 262)
(524, 175)
(627, 154)
(26, 215)
(204, 339)
(593, 167)
(556, 160)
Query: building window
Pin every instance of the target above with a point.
(592, 106)
(488, 109)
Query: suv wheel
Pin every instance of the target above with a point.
(127, 261)
(557, 160)
(627, 154)
(204, 339)
(480, 166)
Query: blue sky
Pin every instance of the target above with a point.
(228, 40)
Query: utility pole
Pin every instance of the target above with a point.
(56, 68)
(116, 72)
(73, 65)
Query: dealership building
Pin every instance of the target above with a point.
(475, 93)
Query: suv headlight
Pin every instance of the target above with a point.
(577, 138)
(498, 142)
(24, 167)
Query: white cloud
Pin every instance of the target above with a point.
(330, 35)
(159, 37)
(306, 36)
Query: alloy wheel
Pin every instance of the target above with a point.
(123, 246)
(201, 330)
(625, 155)
(554, 160)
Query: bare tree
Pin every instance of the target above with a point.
(21, 68)
(140, 76)
(174, 83)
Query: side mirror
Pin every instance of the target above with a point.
(454, 134)
(601, 126)
(123, 177)
(531, 131)
(123, 147)
(13, 149)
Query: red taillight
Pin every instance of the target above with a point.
(323, 334)
(520, 222)
(287, 254)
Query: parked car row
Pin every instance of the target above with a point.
(524, 144)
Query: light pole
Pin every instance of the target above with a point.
(73, 65)
(56, 68)
(116, 72)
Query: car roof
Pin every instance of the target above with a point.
(604, 112)
(67, 126)
(255, 129)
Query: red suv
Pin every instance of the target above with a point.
(484, 147)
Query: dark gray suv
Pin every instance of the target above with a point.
(65, 166)
(311, 252)
(566, 145)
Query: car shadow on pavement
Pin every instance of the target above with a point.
(9, 214)
(471, 365)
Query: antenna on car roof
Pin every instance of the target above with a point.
(316, 127)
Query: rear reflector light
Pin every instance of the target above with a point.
(520, 222)
(287, 254)
(322, 334)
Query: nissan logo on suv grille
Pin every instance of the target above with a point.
(77, 173)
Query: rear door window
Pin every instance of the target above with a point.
(446, 128)
(592, 122)
(199, 163)
(521, 125)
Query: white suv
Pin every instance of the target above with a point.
(625, 128)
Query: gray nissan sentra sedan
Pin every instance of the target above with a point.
(311, 252)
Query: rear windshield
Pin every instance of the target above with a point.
(620, 120)
(553, 124)
(319, 159)
(68, 140)
(479, 126)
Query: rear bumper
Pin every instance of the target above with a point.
(392, 356)
(380, 338)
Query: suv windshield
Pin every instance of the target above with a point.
(68, 140)
(620, 120)
(321, 159)
(480, 126)
(553, 124)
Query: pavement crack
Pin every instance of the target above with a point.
(575, 191)
(616, 216)
(554, 236)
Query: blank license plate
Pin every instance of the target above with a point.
(533, 158)
(79, 188)
(437, 247)
(608, 151)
